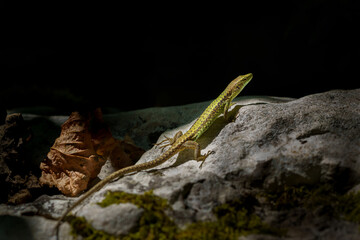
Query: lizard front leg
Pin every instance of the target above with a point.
(169, 141)
(226, 109)
(197, 152)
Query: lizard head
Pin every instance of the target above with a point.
(238, 84)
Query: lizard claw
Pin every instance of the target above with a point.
(202, 158)
(163, 146)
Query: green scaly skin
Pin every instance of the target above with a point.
(180, 141)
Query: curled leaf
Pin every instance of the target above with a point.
(82, 148)
(72, 161)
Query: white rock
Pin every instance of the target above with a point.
(112, 218)
(315, 139)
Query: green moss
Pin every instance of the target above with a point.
(335, 204)
(79, 226)
(287, 198)
(303, 196)
(147, 201)
(153, 224)
(349, 207)
(233, 219)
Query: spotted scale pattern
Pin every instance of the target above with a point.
(197, 129)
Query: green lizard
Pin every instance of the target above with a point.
(180, 141)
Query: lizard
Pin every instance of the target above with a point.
(180, 141)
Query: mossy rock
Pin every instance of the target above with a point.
(337, 204)
(234, 218)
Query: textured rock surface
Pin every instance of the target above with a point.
(309, 141)
(112, 219)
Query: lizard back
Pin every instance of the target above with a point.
(209, 115)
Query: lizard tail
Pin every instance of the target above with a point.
(161, 159)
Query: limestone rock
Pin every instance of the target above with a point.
(310, 141)
(112, 221)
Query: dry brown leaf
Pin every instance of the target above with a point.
(78, 154)
(121, 153)
(101, 137)
(21, 196)
(72, 161)
(125, 154)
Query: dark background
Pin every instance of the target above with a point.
(129, 61)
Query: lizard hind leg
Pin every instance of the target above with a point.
(169, 141)
(197, 152)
